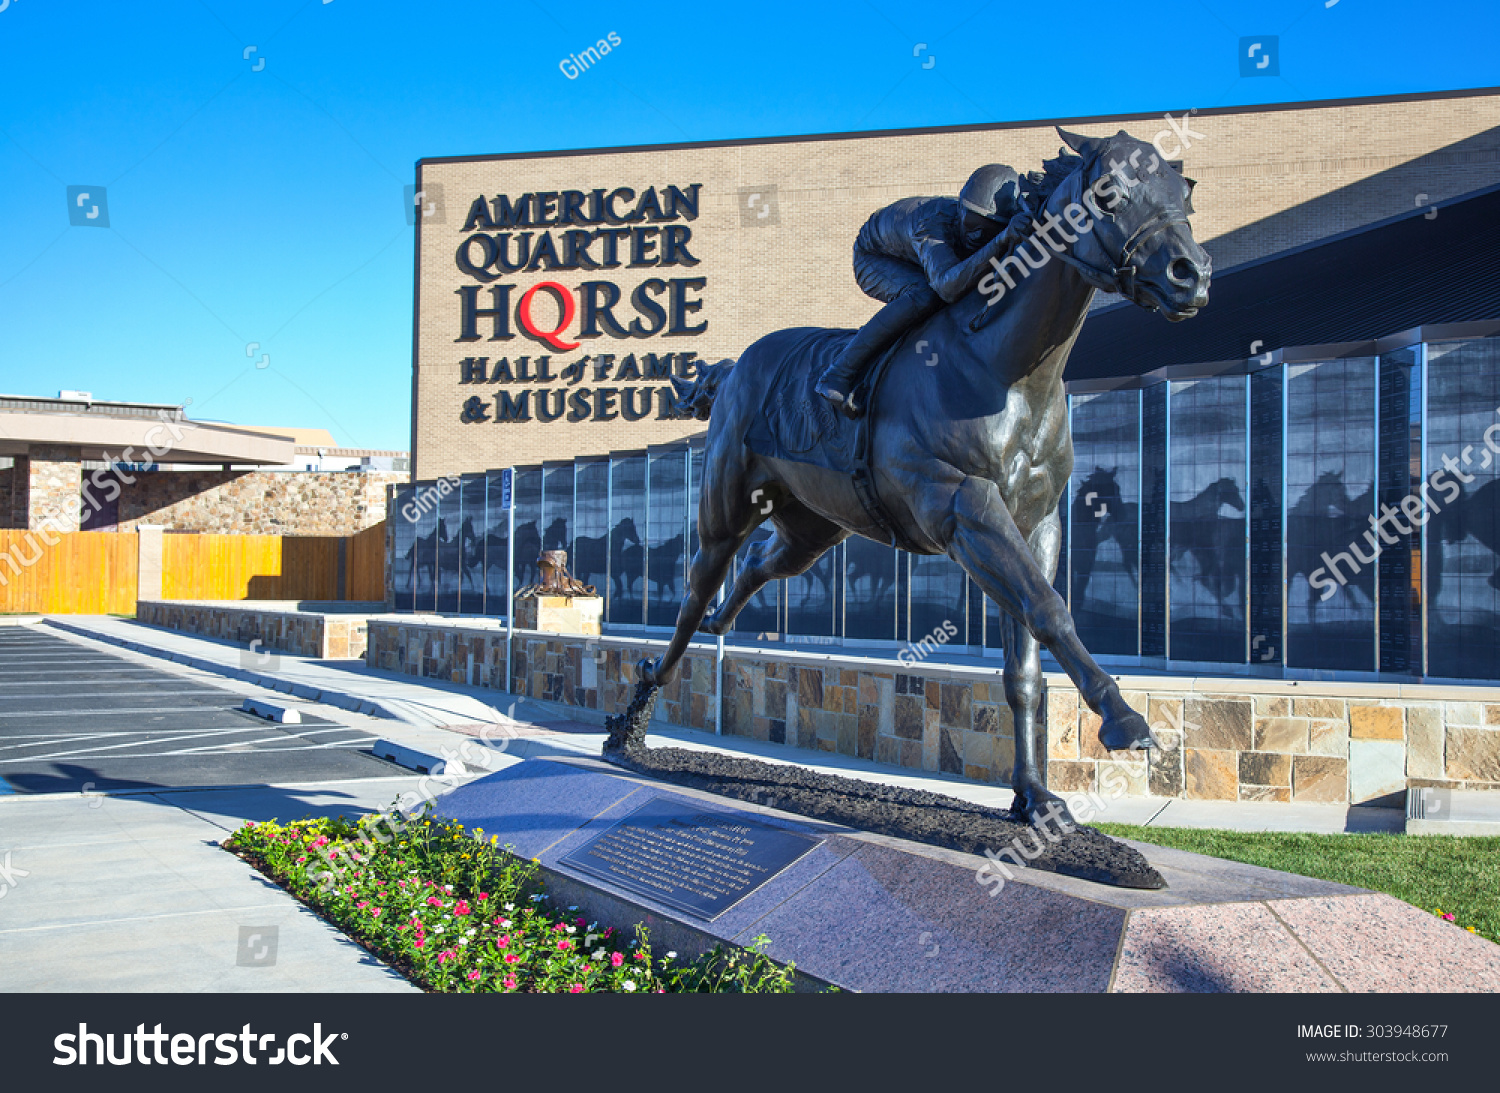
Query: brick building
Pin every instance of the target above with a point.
(689, 252)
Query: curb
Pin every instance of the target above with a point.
(344, 700)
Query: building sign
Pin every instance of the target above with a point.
(534, 326)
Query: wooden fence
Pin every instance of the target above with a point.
(94, 572)
(82, 573)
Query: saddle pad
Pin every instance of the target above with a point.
(798, 424)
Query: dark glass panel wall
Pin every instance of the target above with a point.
(557, 507)
(870, 580)
(1267, 589)
(590, 559)
(1207, 519)
(1105, 517)
(666, 535)
(403, 546)
(762, 615)
(527, 492)
(472, 505)
(1154, 520)
(938, 598)
(1331, 548)
(496, 546)
(424, 565)
(1400, 480)
(1463, 530)
(695, 495)
(627, 519)
(450, 520)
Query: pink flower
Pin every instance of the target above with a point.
(512, 959)
(576, 988)
(503, 942)
(462, 908)
(473, 976)
(420, 943)
(510, 982)
(559, 928)
(484, 895)
(615, 960)
(563, 945)
(446, 954)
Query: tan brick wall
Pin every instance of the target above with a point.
(1268, 180)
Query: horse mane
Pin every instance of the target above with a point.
(1040, 185)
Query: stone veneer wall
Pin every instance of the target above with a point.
(1222, 739)
(53, 477)
(303, 633)
(256, 502)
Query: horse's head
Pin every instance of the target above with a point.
(1227, 492)
(625, 531)
(1130, 210)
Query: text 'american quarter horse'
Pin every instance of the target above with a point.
(963, 445)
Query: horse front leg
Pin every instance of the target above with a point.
(985, 541)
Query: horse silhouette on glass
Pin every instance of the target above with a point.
(1102, 515)
(1215, 543)
(1326, 520)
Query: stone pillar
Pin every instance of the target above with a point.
(148, 584)
(52, 489)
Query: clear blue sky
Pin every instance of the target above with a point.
(266, 206)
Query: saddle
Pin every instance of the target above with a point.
(801, 426)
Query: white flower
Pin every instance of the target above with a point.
(572, 929)
(447, 888)
(437, 929)
(629, 984)
(463, 941)
(470, 933)
(671, 956)
(597, 954)
(510, 906)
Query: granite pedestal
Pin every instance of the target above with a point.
(560, 614)
(872, 913)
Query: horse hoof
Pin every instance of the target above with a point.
(1042, 808)
(1126, 732)
(645, 672)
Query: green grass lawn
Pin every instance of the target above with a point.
(1461, 876)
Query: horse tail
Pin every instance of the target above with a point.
(695, 399)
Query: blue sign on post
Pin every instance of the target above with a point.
(505, 484)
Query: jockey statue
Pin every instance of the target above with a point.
(919, 255)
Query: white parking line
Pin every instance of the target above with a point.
(113, 712)
(146, 740)
(128, 694)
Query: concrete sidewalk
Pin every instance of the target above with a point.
(428, 717)
(130, 893)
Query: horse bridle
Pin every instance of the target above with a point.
(1120, 277)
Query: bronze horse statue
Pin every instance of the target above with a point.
(968, 445)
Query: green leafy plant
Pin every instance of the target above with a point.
(455, 912)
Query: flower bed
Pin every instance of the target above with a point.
(457, 914)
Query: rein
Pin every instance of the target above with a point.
(1119, 277)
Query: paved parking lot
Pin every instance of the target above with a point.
(75, 718)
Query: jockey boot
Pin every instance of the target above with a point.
(839, 380)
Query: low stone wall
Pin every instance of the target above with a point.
(339, 632)
(1222, 739)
